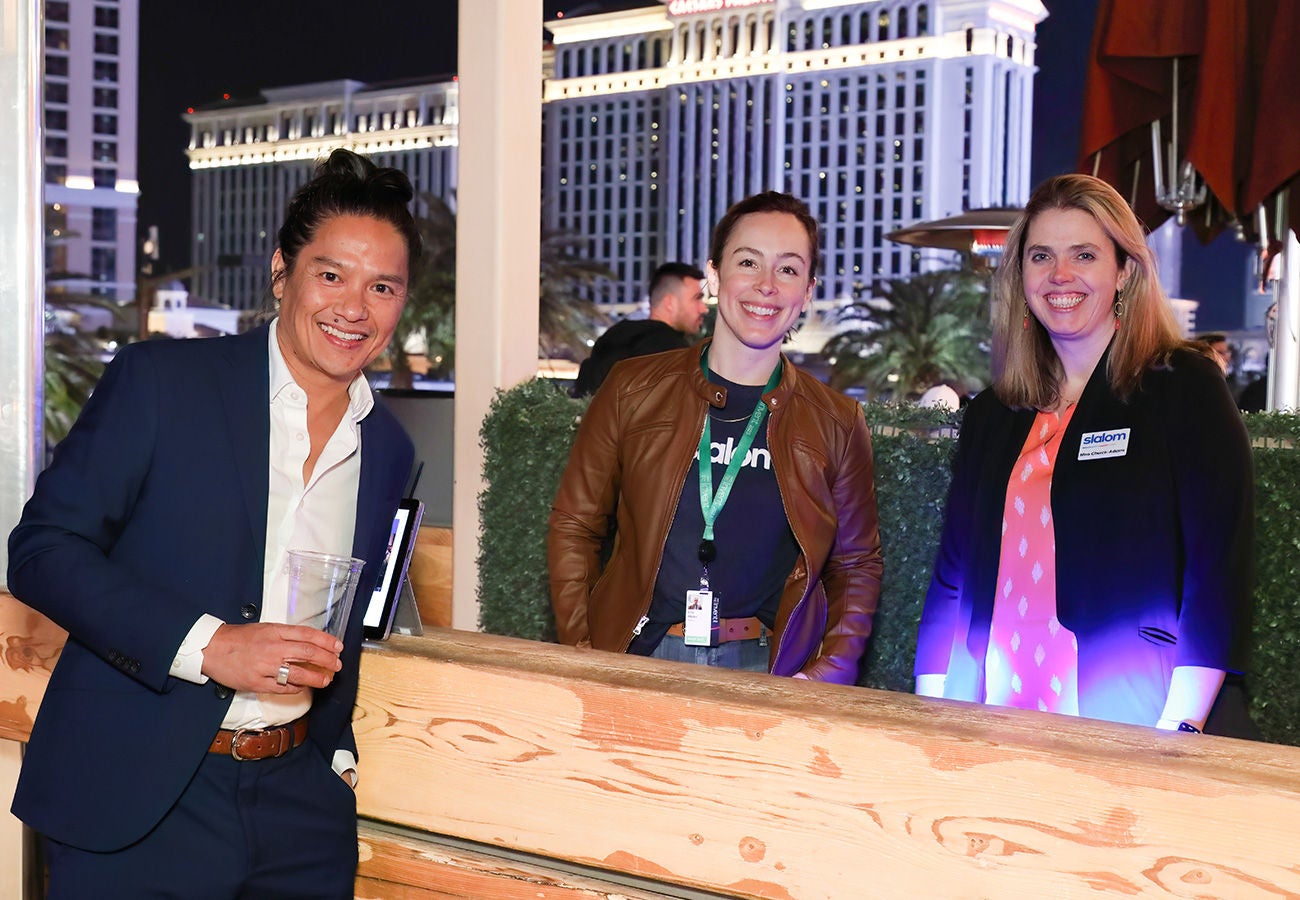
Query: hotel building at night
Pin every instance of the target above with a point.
(659, 116)
(91, 76)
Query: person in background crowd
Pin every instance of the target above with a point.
(741, 486)
(191, 744)
(677, 311)
(1219, 346)
(1254, 396)
(1097, 550)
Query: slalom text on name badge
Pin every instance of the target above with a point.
(1104, 444)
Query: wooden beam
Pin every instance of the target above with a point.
(763, 787)
(30, 645)
(394, 866)
(766, 787)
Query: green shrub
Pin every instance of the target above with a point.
(526, 439)
(1274, 677)
(529, 430)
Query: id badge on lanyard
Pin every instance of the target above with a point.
(701, 617)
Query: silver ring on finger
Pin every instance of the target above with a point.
(282, 676)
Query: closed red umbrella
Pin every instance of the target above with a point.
(1130, 85)
(1275, 149)
(1238, 125)
(1220, 77)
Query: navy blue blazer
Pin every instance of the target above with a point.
(1154, 548)
(153, 512)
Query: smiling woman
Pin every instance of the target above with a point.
(1096, 558)
(780, 574)
(761, 266)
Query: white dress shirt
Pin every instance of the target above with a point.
(319, 514)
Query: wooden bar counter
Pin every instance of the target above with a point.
(752, 786)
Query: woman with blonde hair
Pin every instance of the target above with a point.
(1097, 552)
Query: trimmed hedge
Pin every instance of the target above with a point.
(526, 438)
(1274, 677)
(529, 430)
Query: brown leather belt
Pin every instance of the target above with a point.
(750, 629)
(260, 743)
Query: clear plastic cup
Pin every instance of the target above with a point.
(321, 589)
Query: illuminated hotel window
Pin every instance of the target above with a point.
(103, 263)
(103, 225)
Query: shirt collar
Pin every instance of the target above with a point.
(360, 398)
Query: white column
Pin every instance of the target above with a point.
(1284, 365)
(21, 340)
(498, 228)
(21, 274)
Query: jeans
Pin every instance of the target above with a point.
(749, 656)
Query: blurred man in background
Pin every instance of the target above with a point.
(677, 311)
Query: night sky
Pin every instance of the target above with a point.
(192, 54)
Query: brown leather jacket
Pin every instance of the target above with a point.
(629, 462)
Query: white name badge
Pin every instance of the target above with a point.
(701, 618)
(1104, 444)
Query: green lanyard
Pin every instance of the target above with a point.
(711, 504)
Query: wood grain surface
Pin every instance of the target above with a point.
(765, 787)
(754, 786)
(29, 647)
(395, 866)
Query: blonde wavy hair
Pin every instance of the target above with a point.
(1026, 370)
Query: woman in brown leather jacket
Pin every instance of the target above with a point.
(781, 573)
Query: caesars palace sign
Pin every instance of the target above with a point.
(689, 7)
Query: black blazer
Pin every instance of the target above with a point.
(152, 513)
(1154, 548)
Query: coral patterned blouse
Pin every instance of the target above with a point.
(1032, 660)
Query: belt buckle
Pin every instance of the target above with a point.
(235, 740)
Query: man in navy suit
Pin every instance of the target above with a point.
(191, 744)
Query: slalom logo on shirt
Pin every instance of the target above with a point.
(756, 458)
(1104, 444)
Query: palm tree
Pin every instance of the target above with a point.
(567, 317)
(74, 359)
(430, 310)
(929, 328)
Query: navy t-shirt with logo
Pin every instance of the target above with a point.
(756, 549)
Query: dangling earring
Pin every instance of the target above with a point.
(1119, 307)
(1026, 322)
